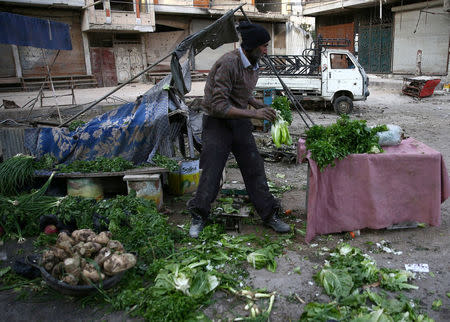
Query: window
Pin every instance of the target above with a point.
(122, 5)
(341, 61)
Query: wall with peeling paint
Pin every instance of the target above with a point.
(430, 34)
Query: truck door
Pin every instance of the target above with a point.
(343, 75)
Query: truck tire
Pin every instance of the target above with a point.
(343, 105)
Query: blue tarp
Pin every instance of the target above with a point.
(134, 131)
(28, 31)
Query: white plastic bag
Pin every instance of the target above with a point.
(391, 137)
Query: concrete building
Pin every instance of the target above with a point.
(391, 36)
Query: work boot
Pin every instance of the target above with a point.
(277, 224)
(197, 225)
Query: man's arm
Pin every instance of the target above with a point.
(265, 113)
(256, 103)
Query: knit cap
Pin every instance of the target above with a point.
(252, 35)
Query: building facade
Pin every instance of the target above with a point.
(114, 40)
(388, 36)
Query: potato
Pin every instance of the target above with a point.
(118, 263)
(102, 238)
(70, 279)
(60, 254)
(63, 236)
(58, 270)
(103, 255)
(72, 266)
(66, 246)
(115, 245)
(82, 235)
(90, 274)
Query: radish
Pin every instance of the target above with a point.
(50, 229)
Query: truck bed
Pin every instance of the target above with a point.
(295, 83)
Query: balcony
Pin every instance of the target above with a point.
(119, 15)
(321, 7)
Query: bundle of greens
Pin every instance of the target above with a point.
(281, 104)
(47, 162)
(15, 173)
(280, 132)
(19, 215)
(100, 164)
(328, 143)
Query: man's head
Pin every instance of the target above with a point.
(254, 40)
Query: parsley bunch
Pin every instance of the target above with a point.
(328, 143)
(281, 103)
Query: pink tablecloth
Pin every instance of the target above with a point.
(407, 182)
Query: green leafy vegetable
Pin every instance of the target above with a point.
(100, 164)
(166, 162)
(321, 312)
(75, 124)
(47, 162)
(19, 215)
(264, 257)
(15, 173)
(328, 143)
(336, 282)
(436, 305)
(280, 132)
(281, 104)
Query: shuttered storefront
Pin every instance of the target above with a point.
(31, 58)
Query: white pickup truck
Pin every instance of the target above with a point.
(333, 75)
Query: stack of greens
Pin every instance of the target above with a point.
(166, 162)
(328, 143)
(100, 164)
(15, 173)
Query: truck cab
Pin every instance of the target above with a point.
(343, 80)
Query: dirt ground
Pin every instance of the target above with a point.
(427, 120)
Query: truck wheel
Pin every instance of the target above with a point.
(343, 105)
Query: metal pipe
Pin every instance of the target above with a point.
(128, 81)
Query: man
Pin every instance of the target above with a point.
(227, 128)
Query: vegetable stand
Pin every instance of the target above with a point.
(407, 182)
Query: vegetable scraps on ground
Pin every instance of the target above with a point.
(336, 141)
(348, 277)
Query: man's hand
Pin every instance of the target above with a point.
(266, 113)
